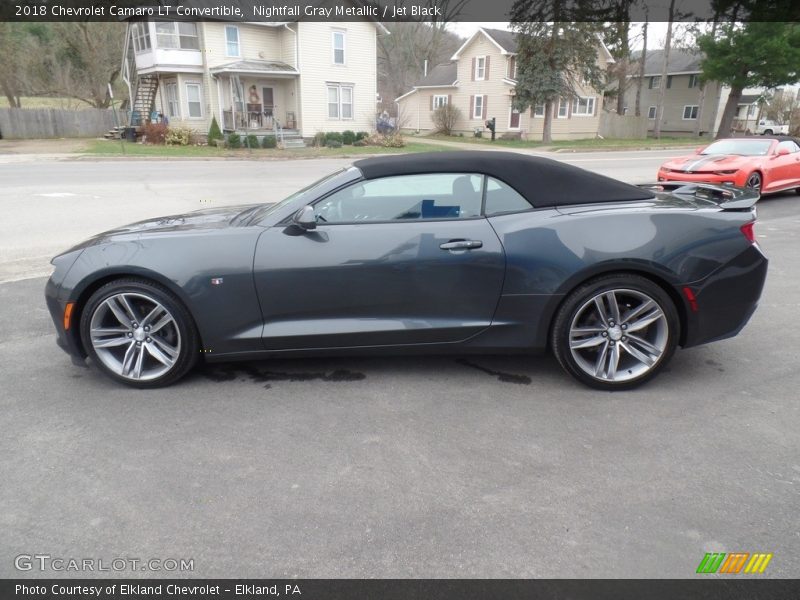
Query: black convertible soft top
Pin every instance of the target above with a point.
(543, 181)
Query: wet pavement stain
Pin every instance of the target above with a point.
(262, 375)
(501, 376)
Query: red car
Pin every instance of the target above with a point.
(766, 163)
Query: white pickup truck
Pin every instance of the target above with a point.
(767, 127)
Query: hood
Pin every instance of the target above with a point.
(199, 220)
(706, 162)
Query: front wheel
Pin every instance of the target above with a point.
(615, 332)
(754, 181)
(139, 333)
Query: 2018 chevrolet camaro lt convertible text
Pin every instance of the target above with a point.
(462, 252)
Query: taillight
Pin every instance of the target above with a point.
(747, 230)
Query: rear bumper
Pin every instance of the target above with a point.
(726, 299)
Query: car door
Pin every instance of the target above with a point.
(786, 168)
(396, 260)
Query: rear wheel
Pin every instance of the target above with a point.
(139, 333)
(754, 181)
(615, 332)
(767, 132)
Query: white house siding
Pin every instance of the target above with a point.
(317, 70)
(256, 42)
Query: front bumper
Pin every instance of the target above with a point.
(731, 179)
(56, 298)
(726, 299)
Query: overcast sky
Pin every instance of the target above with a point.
(656, 31)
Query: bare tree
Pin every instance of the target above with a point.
(642, 60)
(445, 118)
(664, 67)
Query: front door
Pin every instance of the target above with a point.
(513, 121)
(400, 260)
(269, 102)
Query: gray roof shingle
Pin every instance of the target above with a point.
(444, 74)
(680, 61)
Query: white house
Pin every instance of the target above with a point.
(300, 78)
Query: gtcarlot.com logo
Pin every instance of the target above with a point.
(45, 562)
(734, 562)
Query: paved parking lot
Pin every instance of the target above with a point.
(402, 467)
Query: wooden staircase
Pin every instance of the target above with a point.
(144, 99)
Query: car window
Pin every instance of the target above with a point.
(743, 147)
(404, 198)
(502, 198)
(789, 145)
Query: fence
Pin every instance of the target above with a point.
(622, 126)
(35, 123)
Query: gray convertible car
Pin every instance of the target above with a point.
(457, 252)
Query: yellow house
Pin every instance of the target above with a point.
(480, 80)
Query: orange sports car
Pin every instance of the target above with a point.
(765, 163)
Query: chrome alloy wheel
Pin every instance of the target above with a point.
(135, 336)
(618, 335)
(754, 181)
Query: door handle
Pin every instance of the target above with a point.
(461, 245)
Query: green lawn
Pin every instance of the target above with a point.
(610, 143)
(116, 148)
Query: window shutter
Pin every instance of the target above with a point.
(473, 68)
(431, 101)
(471, 106)
(484, 102)
(449, 98)
(486, 69)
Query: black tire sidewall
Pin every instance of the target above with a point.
(189, 339)
(559, 337)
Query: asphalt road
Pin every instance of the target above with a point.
(48, 205)
(391, 467)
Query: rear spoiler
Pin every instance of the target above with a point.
(727, 197)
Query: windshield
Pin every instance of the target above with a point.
(740, 147)
(253, 215)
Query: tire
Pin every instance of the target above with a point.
(767, 132)
(754, 181)
(139, 333)
(585, 347)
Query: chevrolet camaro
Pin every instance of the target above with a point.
(764, 163)
(452, 252)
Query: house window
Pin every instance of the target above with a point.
(439, 101)
(694, 81)
(689, 112)
(583, 106)
(194, 100)
(173, 109)
(477, 108)
(655, 82)
(538, 110)
(512, 67)
(480, 68)
(141, 36)
(751, 110)
(562, 110)
(177, 35)
(340, 101)
(232, 40)
(651, 112)
(338, 42)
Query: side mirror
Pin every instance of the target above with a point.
(304, 218)
(783, 151)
